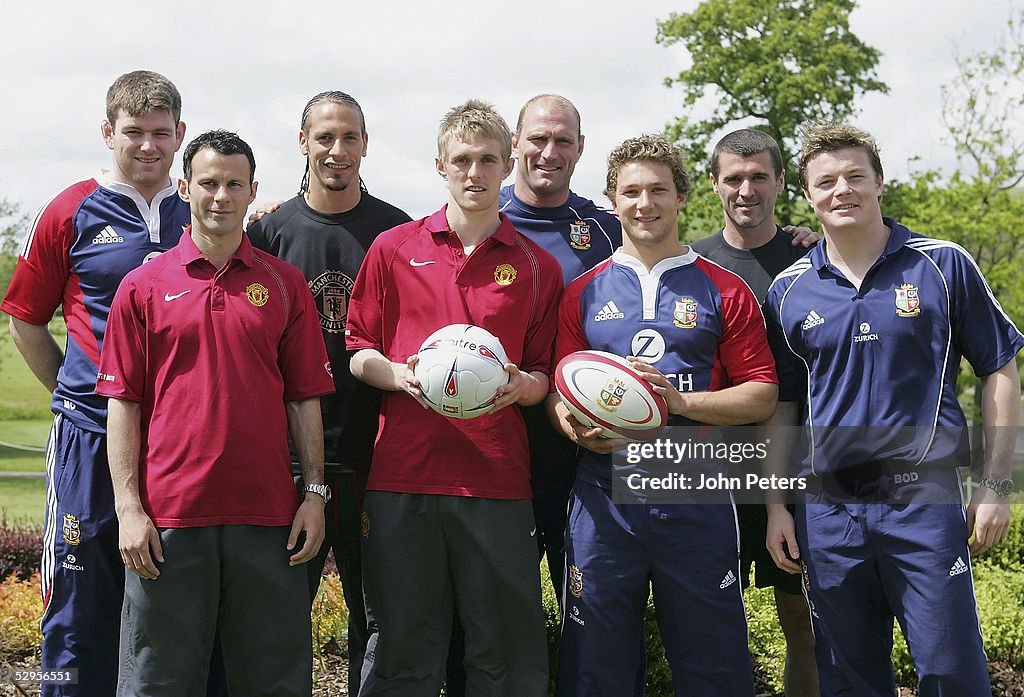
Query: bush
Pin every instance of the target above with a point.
(330, 619)
(20, 548)
(552, 622)
(1008, 554)
(767, 643)
(1000, 593)
(1001, 606)
(20, 610)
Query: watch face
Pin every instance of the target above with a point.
(1002, 487)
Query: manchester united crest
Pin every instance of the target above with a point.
(908, 301)
(685, 313)
(504, 274)
(575, 581)
(72, 529)
(579, 235)
(611, 395)
(331, 290)
(258, 294)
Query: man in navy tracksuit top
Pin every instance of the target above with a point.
(875, 320)
(687, 318)
(547, 144)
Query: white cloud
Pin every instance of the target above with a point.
(252, 66)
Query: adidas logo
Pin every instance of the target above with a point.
(107, 236)
(730, 578)
(813, 320)
(609, 311)
(959, 567)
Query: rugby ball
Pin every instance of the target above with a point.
(601, 389)
(460, 369)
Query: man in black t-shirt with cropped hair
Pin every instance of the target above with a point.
(747, 174)
(325, 231)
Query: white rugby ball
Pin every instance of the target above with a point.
(460, 369)
(601, 389)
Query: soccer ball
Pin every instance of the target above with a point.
(460, 369)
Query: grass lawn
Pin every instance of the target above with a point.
(21, 395)
(25, 416)
(31, 432)
(22, 499)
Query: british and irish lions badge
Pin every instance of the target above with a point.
(908, 301)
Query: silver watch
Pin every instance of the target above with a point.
(321, 490)
(1002, 487)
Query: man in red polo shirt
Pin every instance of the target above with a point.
(448, 517)
(212, 353)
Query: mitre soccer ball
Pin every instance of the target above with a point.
(460, 369)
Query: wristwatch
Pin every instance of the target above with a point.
(1002, 487)
(321, 490)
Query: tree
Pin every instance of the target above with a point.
(983, 110)
(781, 63)
(13, 224)
(981, 205)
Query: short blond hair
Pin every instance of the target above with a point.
(474, 118)
(828, 136)
(647, 148)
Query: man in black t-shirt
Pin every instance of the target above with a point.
(325, 231)
(747, 175)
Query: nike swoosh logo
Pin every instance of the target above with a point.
(168, 297)
(533, 532)
(413, 262)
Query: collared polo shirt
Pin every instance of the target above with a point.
(417, 278)
(213, 355)
(881, 362)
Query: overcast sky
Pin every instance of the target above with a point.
(251, 67)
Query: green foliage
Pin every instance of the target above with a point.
(1000, 594)
(330, 619)
(552, 622)
(767, 643)
(1001, 605)
(1008, 555)
(984, 221)
(13, 226)
(981, 205)
(702, 215)
(999, 585)
(983, 107)
(780, 63)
